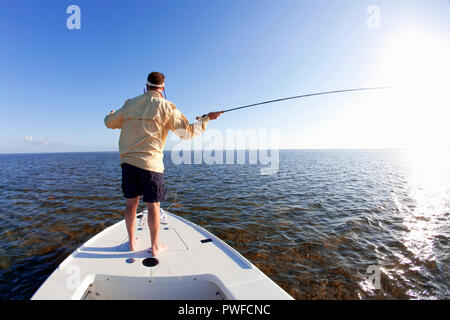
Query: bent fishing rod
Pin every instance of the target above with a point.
(297, 97)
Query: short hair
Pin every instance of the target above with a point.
(156, 78)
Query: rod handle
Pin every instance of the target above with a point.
(200, 118)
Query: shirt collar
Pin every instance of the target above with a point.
(154, 93)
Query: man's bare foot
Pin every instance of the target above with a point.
(133, 244)
(160, 247)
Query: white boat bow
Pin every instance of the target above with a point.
(196, 265)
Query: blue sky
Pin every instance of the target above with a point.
(56, 84)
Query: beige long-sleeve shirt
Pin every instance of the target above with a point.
(145, 122)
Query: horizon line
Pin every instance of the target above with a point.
(284, 149)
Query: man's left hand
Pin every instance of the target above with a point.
(214, 115)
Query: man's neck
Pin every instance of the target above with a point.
(157, 90)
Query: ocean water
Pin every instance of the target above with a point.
(315, 227)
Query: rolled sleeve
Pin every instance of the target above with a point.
(114, 120)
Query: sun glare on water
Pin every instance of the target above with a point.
(424, 205)
(429, 188)
(415, 115)
(417, 64)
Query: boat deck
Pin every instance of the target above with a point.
(196, 265)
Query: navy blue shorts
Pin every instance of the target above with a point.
(138, 182)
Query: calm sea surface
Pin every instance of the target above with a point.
(314, 227)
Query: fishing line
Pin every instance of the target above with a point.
(298, 97)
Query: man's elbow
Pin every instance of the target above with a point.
(107, 124)
(110, 124)
(183, 134)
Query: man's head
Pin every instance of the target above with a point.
(155, 81)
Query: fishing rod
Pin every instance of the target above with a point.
(298, 97)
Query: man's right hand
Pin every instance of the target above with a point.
(214, 115)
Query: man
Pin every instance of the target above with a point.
(145, 122)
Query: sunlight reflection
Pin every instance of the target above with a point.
(429, 188)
